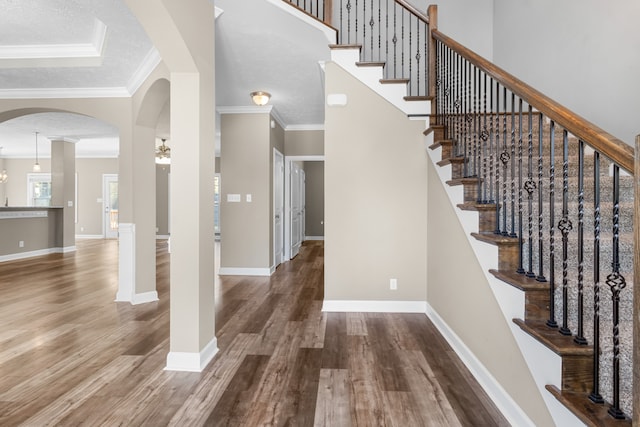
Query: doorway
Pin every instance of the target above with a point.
(278, 207)
(110, 206)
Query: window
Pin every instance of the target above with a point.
(38, 189)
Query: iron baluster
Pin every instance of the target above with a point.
(504, 157)
(492, 132)
(565, 226)
(617, 283)
(497, 132)
(595, 395)
(579, 338)
(513, 167)
(530, 187)
(552, 284)
(484, 137)
(520, 234)
(540, 277)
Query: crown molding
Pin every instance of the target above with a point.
(48, 93)
(244, 109)
(304, 127)
(149, 63)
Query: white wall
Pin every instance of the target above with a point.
(585, 54)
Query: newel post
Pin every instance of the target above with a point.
(432, 13)
(328, 12)
(636, 289)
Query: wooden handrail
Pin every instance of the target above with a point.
(420, 15)
(605, 143)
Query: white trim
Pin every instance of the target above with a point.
(89, 236)
(355, 306)
(241, 271)
(144, 297)
(304, 127)
(149, 63)
(329, 33)
(162, 237)
(31, 254)
(67, 92)
(192, 362)
(509, 408)
(244, 109)
(126, 262)
(67, 249)
(313, 237)
(278, 118)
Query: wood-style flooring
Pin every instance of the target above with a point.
(71, 356)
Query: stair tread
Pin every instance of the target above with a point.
(418, 98)
(562, 345)
(590, 413)
(440, 143)
(345, 46)
(495, 239)
(520, 281)
(370, 64)
(475, 206)
(462, 181)
(451, 160)
(392, 81)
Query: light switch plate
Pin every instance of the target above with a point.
(249, 198)
(235, 198)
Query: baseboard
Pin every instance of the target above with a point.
(233, 271)
(192, 362)
(31, 254)
(509, 408)
(67, 249)
(374, 306)
(89, 236)
(144, 297)
(313, 237)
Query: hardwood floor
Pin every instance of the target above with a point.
(71, 356)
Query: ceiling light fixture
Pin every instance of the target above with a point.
(260, 98)
(163, 154)
(36, 165)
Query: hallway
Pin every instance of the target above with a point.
(69, 355)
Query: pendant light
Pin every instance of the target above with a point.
(36, 165)
(163, 154)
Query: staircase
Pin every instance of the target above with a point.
(549, 190)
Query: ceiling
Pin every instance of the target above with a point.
(72, 48)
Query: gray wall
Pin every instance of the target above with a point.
(375, 197)
(314, 198)
(304, 143)
(162, 199)
(245, 169)
(582, 53)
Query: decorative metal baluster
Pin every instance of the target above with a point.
(410, 76)
(417, 58)
(565, 226)
(530, 187)
(595, 395)
(617, 283)
(394, 40)
(356, 23)
(348, 21)
(465, 117)
(386, 39)
(484, 135)
(552, 281)
(540, 277)
(492, 133)
(504, 157)
(499, 205)
(579, 338)
(402, 43)
(380, 32)
(520, 233)
(426, 59)
(513, 167)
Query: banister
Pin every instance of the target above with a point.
(597, 138)
(418, 14)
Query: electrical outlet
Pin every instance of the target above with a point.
(393, 284)
(21, 244)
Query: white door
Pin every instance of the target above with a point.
(297, 207)
(110, 205)
(278, 207)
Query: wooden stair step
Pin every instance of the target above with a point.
(536, 304)
(393, 81)
(370, 64)
(592, 414)
(507, 248)
(451, 161)
(496, 239)
(418, 98)
(345, 46)
(486, 214)
(438, 131)
(577, 360)
(520, 281)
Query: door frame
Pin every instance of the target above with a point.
(277, 250)
(287, 197)
(105, 197)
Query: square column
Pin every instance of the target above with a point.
(63, 189)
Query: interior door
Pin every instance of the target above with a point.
(110, 205)
(296, 209)
(278, 207)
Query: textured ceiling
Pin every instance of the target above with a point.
(48, 47)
